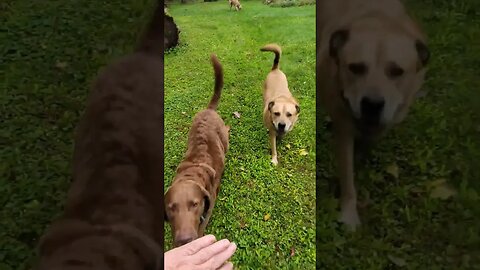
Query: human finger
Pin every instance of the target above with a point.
(223, 256)
(210, 251)
(198, 244)
(207, 265)
(226, 266)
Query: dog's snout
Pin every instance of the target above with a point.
(372, 107)
(183, 240)
(281, 126)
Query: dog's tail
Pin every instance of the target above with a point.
(217, 68)
(151, 40)
(276, 49)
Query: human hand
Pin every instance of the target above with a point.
(204, 253)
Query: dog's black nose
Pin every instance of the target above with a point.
(372, 107)
(281, 126)
(182, 241)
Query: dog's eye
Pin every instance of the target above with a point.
(289, 114)
(357, 68)
(195, 204)
(395, 71)
(277, 114)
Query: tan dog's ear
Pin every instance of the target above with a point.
(270, 105)
(423, 52)
(337, 40)
(298, 108)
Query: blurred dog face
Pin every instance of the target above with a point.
(380, 69)
(284, 115)
(186, 205)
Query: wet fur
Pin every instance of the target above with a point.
(207, 144)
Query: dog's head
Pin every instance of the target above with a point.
(284, 114)
(381, 66)
(187, 204)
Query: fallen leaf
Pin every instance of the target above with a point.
(292, 251)
(236, 115)
(184, 113)
(243, 225)
(397, 261)
(442, 192)
(303, 152)
(266, 217)
(436, 183)
(288, 146)
(61, 65)
(392, 169)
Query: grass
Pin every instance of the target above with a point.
(252, 188)
(403, 223)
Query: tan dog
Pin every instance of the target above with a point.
(190, 199)
(372, 59)
(281, 109)
(114, 210)
(236, 4)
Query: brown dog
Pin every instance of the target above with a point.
(372, 59)
(281, 109)
(190, 199)
(113, 215)
(236, 4)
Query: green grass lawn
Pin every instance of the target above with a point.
(402, 222)
(252, 188)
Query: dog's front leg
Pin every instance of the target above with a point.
(344, 145)
(273, 145)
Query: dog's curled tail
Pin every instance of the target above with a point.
(217, 68)
(151, 40)
(276, 49)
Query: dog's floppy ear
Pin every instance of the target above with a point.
(298, 108)
(337, 40)
(165, 216)
(270, 105)
(423, 52)
(206, 207)
(206, 198)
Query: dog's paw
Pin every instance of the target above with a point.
(349, 217)
(275, 161)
